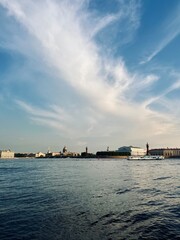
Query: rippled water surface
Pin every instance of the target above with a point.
(89, 199)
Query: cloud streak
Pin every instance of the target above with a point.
(170, 31)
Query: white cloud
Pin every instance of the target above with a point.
(168, 39)
(169, 31)
(67, 47)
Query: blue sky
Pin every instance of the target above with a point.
(93, 73)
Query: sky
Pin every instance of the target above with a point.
(95, 73)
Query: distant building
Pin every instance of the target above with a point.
(31, 155)
(52, 154)
(122, 152)
(71, 154)
(166, 152)
(6, 154)
(40, 154)
(111, 154)
(86, 154)
(132, 151)
(25, 155)
(66, 153)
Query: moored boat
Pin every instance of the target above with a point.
(146, 157)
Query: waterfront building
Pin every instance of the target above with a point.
(166, 152)
(6, 154)
(66, 153)
(25, 155)
(40, 154)
(132, 151)
(71, 154)
(50, 154)
(122, 152)
(111, 154)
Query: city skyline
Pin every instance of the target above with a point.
(89, 73)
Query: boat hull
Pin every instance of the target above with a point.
(145, 158)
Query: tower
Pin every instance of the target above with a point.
(64, 149)
(147, 149)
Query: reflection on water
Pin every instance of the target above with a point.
(89, 199)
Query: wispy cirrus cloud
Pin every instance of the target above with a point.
(60, 31)
(168, 32)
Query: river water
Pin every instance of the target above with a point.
(89, 199)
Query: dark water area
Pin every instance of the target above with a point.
(73, 199)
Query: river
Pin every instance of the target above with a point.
(98, 199)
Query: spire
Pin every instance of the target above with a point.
(147, 149)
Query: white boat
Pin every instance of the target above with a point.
(146, 157)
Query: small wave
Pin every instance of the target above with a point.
(122, 191)
(134, 188)
(108, 215)
(175, 210)
(98, 196)
(173, 196)
(161, 229)
(140, 217)
(10, 168)
(81, 213)
(94, 223)
(105, 218)
(126, 180)
(150, 191)
(111, 218)
(152, 203)
(161, 178)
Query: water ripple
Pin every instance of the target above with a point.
(122, 191)
(161, 178)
